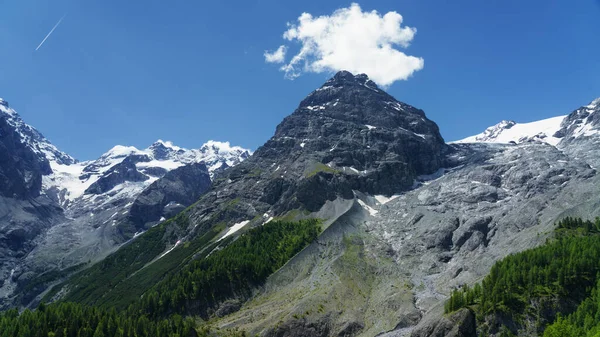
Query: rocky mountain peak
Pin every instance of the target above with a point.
(346, 136)
(33, 139)
(162, 150)
(582, 122)
(342, 87)
(346, 98)
(595, 104)
(347, 78)
(494, 131)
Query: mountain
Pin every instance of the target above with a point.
(25, 213)
(404, 219)
(510, 131)
(580, 123)
(58, 212)
(407, 217)
(387, 263)
(345, 139)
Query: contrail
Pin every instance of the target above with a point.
(47, 36)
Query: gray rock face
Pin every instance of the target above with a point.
(423, 243)
(579, 131)
(181, 186)
(118, 174)
(24, 212)
(21, 170)
(347, 135)
(458, 324)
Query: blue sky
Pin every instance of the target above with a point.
(130, 72)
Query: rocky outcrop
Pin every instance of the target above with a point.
(457, 324)
(21, 169)
(178, 189)
(117, 174)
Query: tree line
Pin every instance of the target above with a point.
(166, 309)
(231, 272)
(567, 267)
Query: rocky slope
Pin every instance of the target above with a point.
(386, 263)
(56, 212)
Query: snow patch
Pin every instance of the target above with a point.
(315, 107)
(382, 199)
(236, 227)
(171, 249)
(370, 209)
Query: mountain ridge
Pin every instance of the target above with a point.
(550, 130)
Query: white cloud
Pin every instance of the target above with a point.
(353, 40)
(277, 56)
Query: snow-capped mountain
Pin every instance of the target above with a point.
(511, 131)
(57, 212)
(551, 130)
(33, 138)
(69, 182)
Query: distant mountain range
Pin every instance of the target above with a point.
(550, 130)
(58, 211)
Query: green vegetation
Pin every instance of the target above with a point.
(230, 272)
(565, 268)
(76, 320)
(37, 284)
(130, 289)
(193, 285)
(89, 285)
(320, 167)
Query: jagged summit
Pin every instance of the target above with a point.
(343, 85)
(33, 139)
(223, 147)
(166, 144)
(345, 136)
(346, 77)
(594, 104)
(164, 149)
(357, 100)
